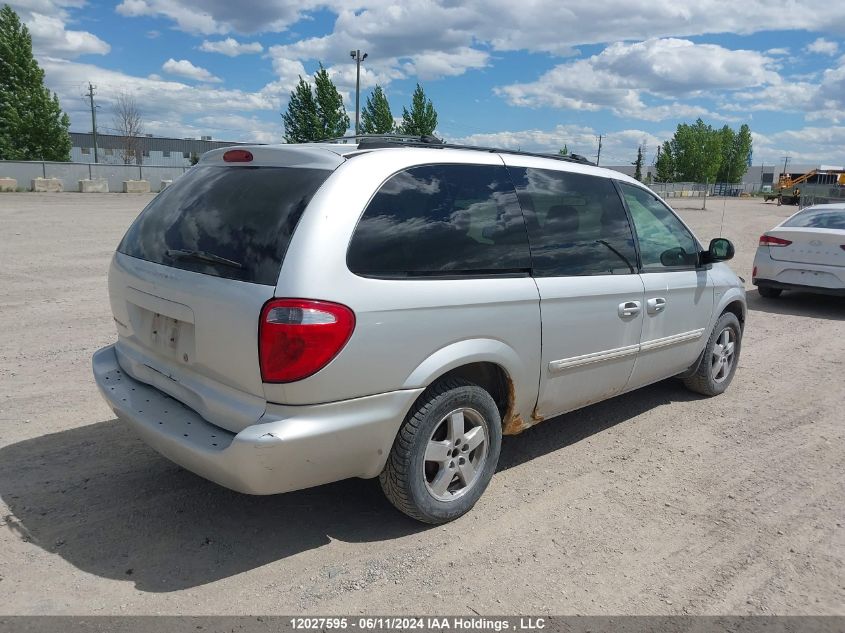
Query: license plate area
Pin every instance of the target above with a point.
(168, 337)
(165, 332)
(158, 328)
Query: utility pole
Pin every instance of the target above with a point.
(90, 95)
(356, 55)
(598, 156)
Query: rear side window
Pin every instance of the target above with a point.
(577, 224)
(818, 219)
(442, 220)
(233, 222)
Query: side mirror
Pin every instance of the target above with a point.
(721, 250)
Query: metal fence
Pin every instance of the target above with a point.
(678, 189)
(696, 189)
(71, 173)
(821, 194)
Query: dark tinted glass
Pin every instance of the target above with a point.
(576, 224)
(243, 214)
(441, 220)
(664, 241)
(819, 219)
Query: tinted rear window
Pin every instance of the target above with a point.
(442, 220)
(576, 223)
(242, 214)
(819, 219)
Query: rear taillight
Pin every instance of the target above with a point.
(298, 337)
(753, 272)
(237, 156)
(771, 240)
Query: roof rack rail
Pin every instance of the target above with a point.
(396, 138)
(378, 141)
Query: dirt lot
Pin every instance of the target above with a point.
(656, 502)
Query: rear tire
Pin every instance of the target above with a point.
(769, 293)
(718, 362)
(445, 452)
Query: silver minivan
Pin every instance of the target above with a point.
(293, 315)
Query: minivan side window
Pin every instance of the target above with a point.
(576, 223)
(665, 243)
(442, 220)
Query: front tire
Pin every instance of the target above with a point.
(769, 293)
(445, 452)
(718, 363)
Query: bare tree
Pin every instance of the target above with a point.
(129, 125)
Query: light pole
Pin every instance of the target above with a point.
(358, 57)
(703, 162)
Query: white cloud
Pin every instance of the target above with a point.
(823, 99)
(50, 37)
(184, 68)
(822, 46)
(47, 23)
(210, 17)
(436, 38)
(623, 74)
(813, 145)
(542, 25)
(231, 47)
(234, 126)
(435, 64)
(170, 108)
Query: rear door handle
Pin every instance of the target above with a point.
(629, 308)
(658, 304)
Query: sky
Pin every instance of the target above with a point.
(534, 74)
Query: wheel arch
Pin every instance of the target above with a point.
(493, 366)
(734, 303)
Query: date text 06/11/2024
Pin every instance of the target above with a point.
(398, 623)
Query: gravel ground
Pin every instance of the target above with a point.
(656, 502)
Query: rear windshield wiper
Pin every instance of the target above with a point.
(203, 256)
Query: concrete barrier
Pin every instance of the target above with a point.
(47, 184)
(165, 184)
(8, 184)
(136, 186)
(96, 185)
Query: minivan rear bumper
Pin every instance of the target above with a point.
(289, 448)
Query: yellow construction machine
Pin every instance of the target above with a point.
(789, 191)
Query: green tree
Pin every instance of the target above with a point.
(736, 149)
(697, 152)
(665, 164)
(638, 164)
(422, 119)
(302, 124)
(376, 117)
(32, 124)
(564, 151)
(330, 111)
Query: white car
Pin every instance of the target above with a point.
(804, 252)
